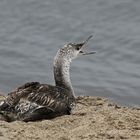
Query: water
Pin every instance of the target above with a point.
(31, 31)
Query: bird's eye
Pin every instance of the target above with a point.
(78, 48)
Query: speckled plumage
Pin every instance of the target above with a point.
(38, 101)
(34, 101)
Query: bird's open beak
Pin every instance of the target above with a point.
(86, 53)
(83, 45)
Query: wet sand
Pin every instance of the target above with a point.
(94, 118)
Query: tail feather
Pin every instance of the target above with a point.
(3, 105)
(7, 116)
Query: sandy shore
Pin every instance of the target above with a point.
(95, 118)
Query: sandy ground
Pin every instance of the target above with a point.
(94, 118)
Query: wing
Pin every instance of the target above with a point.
(33, 98)
(14, 97)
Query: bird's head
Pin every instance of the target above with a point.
(73, 50)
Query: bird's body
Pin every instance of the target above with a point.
(34, 101)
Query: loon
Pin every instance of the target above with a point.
(35, 101)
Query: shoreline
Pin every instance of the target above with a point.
(94, 118)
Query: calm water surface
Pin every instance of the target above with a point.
(31, 32)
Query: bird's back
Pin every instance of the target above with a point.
(34, 101)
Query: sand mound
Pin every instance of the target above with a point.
(94, 118)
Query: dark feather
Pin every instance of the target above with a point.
(34, 101)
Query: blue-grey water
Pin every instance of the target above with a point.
(31, 32)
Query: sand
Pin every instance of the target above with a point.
(94, 118)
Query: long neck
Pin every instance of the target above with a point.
(61, 74)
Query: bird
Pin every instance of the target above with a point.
(35, 101)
